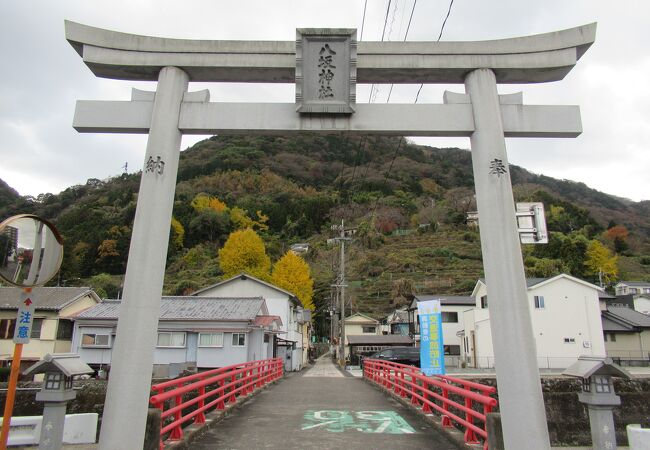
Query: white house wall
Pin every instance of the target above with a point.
(277, 303)
(571, 311)
(642, 305)
(204, 357)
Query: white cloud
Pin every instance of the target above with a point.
(41, 152)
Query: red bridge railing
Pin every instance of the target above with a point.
(186, 400)
(433, 393)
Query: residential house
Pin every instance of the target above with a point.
(51, 330)
(632, 287)
(193, 333)
(452, 308)
(280, 303)
(627, 334)
(397, 322)
(365, 345)
(565, 316)
(360, 325)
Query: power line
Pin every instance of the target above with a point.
(363, 20)
(442, 28)
(445, 21)
(372, 87)
(408, 27)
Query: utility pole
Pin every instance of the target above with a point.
(343, 232)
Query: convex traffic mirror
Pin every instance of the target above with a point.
(31, 250)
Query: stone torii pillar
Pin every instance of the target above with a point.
(481, 114)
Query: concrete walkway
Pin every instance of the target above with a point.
(322, 409)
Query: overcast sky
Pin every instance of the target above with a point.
(41, 77)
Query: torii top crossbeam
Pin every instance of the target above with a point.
(530, 59)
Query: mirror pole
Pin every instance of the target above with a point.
(11, 388)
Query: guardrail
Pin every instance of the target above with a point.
(212, 389)
(433, 393)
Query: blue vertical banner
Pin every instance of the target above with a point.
(432, 351)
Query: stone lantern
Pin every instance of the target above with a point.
(599, 396)
(59, 370)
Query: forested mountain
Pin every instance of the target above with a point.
(408, 203)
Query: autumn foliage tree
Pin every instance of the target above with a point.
(293, 274)
(244, 251)
(601, 262)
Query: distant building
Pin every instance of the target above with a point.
(565, 316)
(452, 307)
(280, 303)
(52, 327)
(193, 333)
(627, 334)
(632, 287)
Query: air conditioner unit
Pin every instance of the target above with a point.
(586, 344)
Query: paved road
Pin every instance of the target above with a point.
(322, 409)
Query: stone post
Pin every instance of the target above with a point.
(520, 394)
(127, 397)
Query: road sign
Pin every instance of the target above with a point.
(24, 319)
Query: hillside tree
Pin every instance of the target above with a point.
(293, 274)
(244, 251)
(601, 262)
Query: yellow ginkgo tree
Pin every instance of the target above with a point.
(293, 274)
(601, 262)
(244, 251)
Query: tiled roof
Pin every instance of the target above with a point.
(611, 325)
(188, 308)
(45, 298)
(635, 283)
(629, 316)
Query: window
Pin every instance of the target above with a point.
(238, 339)
(210, 339)
(602, 384)
(611, 337)
(569, 340)
(7, 328)
(452, 350)
(369, 329)
(94, 340)
(484, 302)
(449, 317)
(267, 338)
(539, 301)
(37, 324)
(53, 381)
(171, 339)
(64, 330)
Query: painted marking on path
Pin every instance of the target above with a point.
(339, 421)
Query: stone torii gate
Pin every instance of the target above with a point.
(326, 64)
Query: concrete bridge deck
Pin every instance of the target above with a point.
(322, 409)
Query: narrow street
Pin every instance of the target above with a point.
(322, 408)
